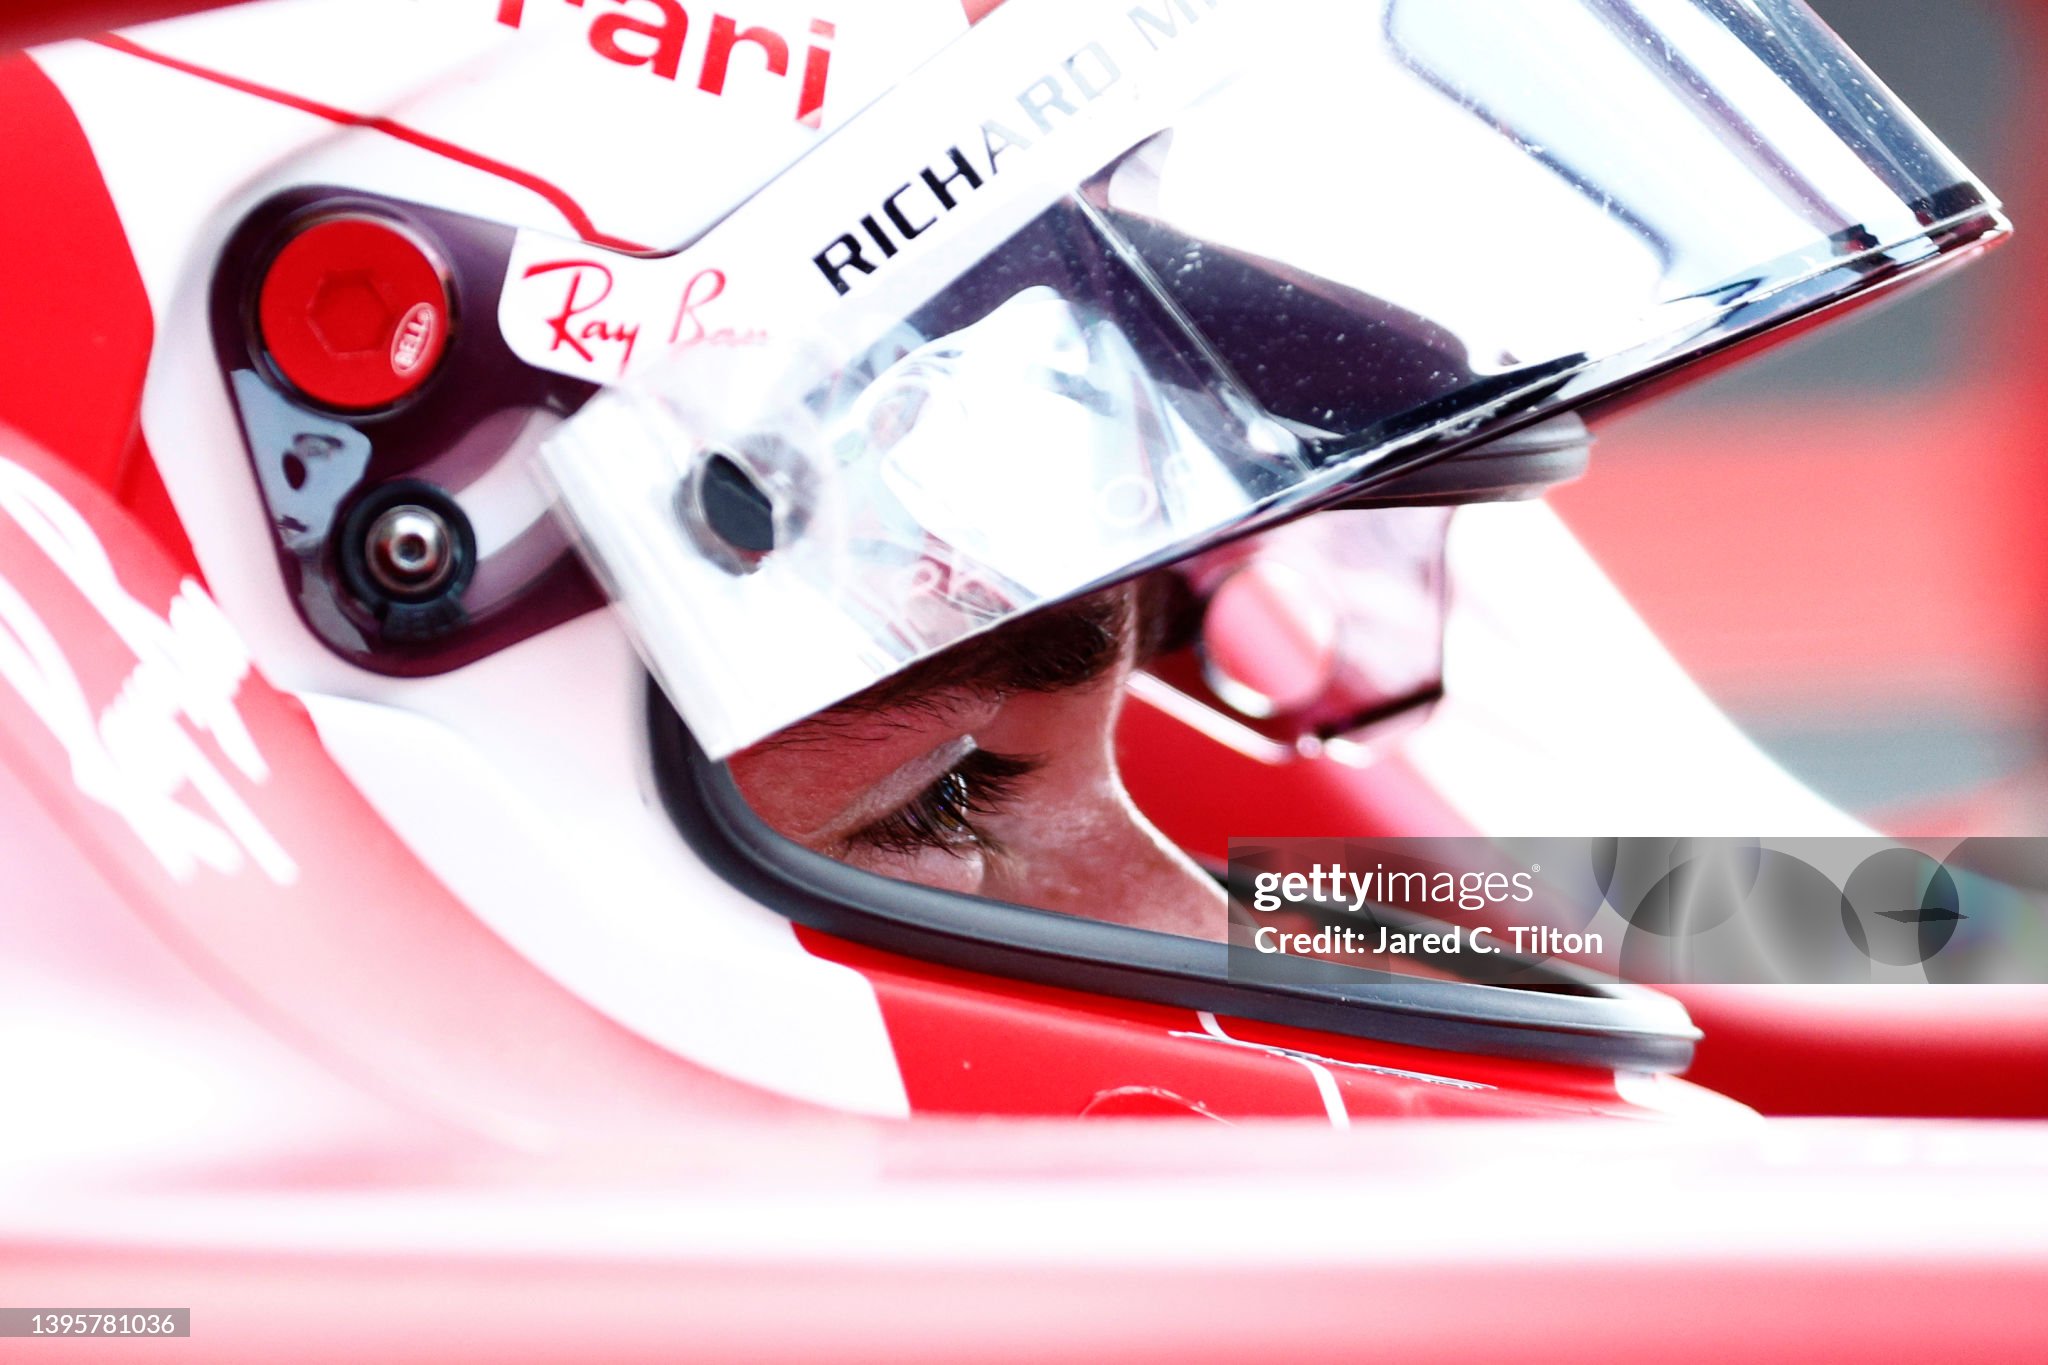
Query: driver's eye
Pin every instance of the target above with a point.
(942, 816)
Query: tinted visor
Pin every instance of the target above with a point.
(1171, 272)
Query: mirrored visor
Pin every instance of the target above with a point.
(1106, 285)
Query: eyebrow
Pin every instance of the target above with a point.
(1055, 650)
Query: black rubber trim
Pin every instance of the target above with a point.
(1607, 1026)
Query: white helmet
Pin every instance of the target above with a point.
(843, 340)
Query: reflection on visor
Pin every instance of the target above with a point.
(1321, 637)
(1112, 450)
(1364, 236)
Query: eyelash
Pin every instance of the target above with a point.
(942, 815)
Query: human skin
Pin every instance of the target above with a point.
(993, 773)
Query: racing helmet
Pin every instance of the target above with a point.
(819, 344)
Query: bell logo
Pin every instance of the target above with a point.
(652, 33)
(415, 338)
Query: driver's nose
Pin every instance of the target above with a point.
(1107, 862)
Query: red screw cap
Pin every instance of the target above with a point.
(353, 313)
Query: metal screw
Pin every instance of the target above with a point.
(411, 552)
